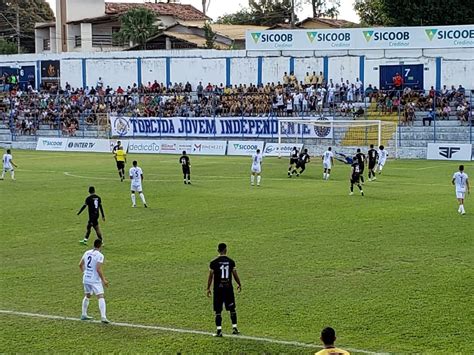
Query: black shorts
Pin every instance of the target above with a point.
(120, 165)
(224, 295)
(371, 165)
(186, 170)
(93, 222)
(355, 179)
(293, 161)
(301, 165)
(361, 167)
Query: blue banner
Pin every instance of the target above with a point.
(208, 127)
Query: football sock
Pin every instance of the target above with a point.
(327, 176)
(85, 305)
(259, 178)
(13, 175)
(361, 178)
(102, 307)
(252, 179)
(219, 321)
(233, 318)
(462, 209)
(189, 178)
(133, 199)
(324, 176)
(360, 187)
(142, 197)
(352, 188)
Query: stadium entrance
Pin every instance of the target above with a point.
(412, 76)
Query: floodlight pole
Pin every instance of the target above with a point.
(279, 138)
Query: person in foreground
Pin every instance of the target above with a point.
(136, 178)
(94, 205)
(94, 280)
(221, 271)
(328, 338)
(8, 165)
(256, 168)
(461, 181)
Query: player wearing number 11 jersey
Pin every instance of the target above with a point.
(221, 271)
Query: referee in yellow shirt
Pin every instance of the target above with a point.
(121, 159)
(328, 337)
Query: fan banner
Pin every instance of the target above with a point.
(221, 127)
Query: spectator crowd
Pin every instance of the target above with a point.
(66, 108)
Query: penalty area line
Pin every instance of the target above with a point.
(178, 330)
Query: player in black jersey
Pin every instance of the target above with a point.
(373, 155)
(293, 161)
(361, 160)
(186, 165)
(303, 159)
(355, 176)
(221, 271)
(94, 206)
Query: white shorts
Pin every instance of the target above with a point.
(381, 162)
(460, 194)
(136, 187)
(257, 169)
(7, 168)
(327, 165)
(94, 289)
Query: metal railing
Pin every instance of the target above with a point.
(80, 114)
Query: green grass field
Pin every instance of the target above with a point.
(391, 271)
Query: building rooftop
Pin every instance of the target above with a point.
(180, 11)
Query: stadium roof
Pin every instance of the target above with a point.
(180, 11)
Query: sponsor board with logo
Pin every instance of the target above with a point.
(244, 147)
(449, 151)
(207, 127)
(52, 144)
(362, 38)
(194, 147)
(88, 145)
(274, 149)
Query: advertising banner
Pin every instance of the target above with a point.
(88, 145)
(273, 149)
(449, 151)
(194, 147)
(244, 147)
(362, 38)
(208, 127)
(52, 144)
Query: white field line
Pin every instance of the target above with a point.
(178, 330)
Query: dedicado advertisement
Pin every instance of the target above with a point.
(237, 127)
(194, 147)
(362, 38)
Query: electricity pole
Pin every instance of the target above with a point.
(292, 23)
(18, 41)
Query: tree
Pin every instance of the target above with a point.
(137, 26)
(414, 13)
(324, 8)
(210, 36)
(30, 13)
(7, 47)
(261, 13)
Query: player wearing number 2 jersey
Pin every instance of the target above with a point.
(221, 271)
(93, 279)
(94, 206)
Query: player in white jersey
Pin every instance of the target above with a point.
(8, 164)
(328, 162)
(461, 182)
(94, 280)
(383, 154)
(136, 177)
(256, 169)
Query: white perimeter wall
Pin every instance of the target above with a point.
(241, 67)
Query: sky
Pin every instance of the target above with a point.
(220, 7)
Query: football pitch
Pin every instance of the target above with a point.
(392, 271)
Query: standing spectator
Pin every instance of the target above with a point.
(328, 338)
(100, 84)
(359, 85)
(199, 90)
(398, 82)
(286, 79)
(307, 79)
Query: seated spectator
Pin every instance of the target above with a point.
(286, 79)
(430, 117)
(446, 111)
(328, 338)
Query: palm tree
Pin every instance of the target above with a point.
(137, 26)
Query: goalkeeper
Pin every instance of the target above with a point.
(346, 159)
